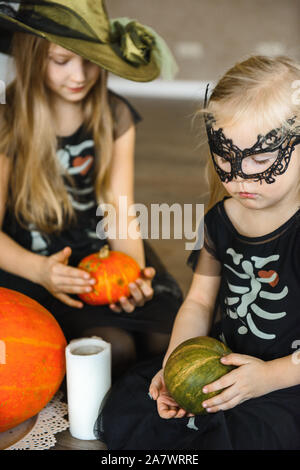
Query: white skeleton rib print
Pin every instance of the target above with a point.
(65, 155)
(246, 296)
(39, 241)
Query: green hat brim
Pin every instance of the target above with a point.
(102, 55)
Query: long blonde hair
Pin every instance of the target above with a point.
(37, 193)
(260, 90)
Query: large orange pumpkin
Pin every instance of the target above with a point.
(113, 272)
(32, 359)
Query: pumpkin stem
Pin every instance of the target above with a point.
(104, 252)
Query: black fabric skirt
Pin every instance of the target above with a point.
(129, 420)
(157, 315)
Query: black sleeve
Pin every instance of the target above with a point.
(205, 248)
(123, 113)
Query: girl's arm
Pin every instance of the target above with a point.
(122, 186)
(284, 372)
(194, 318)
(51, 272)
(13, 258)
(17, 260)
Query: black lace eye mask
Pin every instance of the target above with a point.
(266, 159)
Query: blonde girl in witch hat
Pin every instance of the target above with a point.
(66, 145)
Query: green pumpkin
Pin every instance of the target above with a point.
(192, 365)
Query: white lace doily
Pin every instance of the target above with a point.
(49, 422)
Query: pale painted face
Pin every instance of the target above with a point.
(261, 195)
(67, 72)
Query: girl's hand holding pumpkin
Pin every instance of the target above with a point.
(248, 380)
(141, 292)
(60, 279)
(166, 406)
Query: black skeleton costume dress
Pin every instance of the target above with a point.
(76, 154)
(257, 313)
(258, 302)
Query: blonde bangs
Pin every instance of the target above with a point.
(260, 91)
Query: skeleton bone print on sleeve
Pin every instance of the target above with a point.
(242, 304)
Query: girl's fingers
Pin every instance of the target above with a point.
(137, 295)
(149, 272)
(69, 301)
(221, 398)
(115, 308)
(236, 359)
(127, 305)
(157, 380)
(181, 413)
(169, 401)
(69, 271)
(141, 292)
(73, 289)
(225, 405)
(78, 281)
(146, 290)
(165, 411)
(157, 384)
(153, 391)
(224, 382)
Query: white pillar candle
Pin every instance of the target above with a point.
(88, 370)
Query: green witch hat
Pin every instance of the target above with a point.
(121, 46)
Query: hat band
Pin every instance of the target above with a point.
(60, 21)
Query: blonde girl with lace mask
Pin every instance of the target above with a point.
(246, 285)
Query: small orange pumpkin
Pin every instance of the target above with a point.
(113, 272)
(32, 359)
